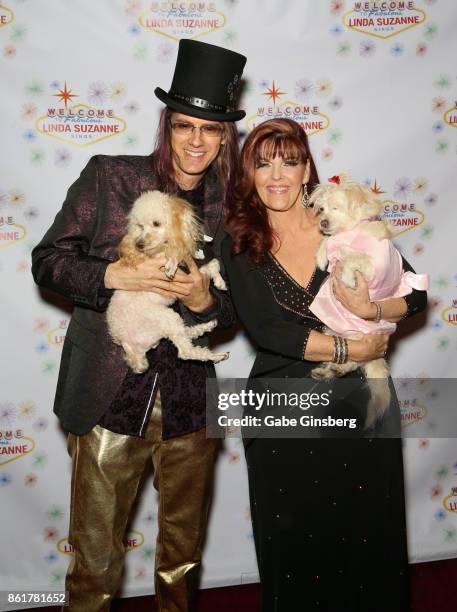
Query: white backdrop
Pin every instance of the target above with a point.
(375, 85)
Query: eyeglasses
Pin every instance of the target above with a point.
(207, 130)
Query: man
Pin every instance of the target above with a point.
(118, 420)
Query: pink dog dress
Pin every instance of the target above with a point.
(388, 281)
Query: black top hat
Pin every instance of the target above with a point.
(205, 82)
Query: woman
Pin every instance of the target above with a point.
(328, 513)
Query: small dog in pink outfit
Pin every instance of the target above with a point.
(356, 237)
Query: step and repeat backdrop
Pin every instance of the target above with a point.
(375, 86)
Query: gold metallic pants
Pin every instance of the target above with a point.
(107, 468)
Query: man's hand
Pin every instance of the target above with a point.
(199, 297)
(192, 289)
(356, 300)
(148, 276)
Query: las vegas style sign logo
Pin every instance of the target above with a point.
(184, 19)
(79, 124)
(309, 116)
(384, 18)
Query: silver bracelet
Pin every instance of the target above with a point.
(378, 312)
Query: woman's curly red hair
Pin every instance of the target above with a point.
(247, 220)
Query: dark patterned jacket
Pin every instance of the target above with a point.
(71, 260)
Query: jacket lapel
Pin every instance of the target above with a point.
(212, 204)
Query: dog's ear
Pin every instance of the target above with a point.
(185, 229)
(372, 206)
(129, 256)
(362, 202)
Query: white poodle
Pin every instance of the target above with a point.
(159, 224)
(356, 236)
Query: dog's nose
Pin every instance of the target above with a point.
(324, 223)
(140, 244)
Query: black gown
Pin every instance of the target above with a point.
(328, 513)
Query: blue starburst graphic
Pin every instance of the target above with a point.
(134, 29)
(438, 127)
(397, 50)
(51, 557)
(440, 515)
(29, 135)
(336, 29)
(5, 479)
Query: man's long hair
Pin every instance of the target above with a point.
(225, 166)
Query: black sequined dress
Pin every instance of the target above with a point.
(328, 513)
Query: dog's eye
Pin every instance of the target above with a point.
(141, 226)
(156, 223)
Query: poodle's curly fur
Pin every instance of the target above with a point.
(159, 225)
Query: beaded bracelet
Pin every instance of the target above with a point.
(336, 349)
(345, 355)
(340, 350)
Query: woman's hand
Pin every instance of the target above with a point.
(356, 300)
(368, 347)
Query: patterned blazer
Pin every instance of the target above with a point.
(71, 260)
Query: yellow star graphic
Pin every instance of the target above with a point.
(65, 95)
(274, 93)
